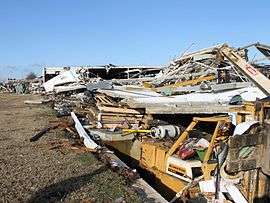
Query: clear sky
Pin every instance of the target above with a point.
(81, 32)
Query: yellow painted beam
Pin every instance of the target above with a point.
(136, 131)
(180, 84)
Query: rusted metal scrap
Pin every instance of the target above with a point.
(61, 124)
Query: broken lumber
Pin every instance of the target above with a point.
(42, 132)
(118, 110)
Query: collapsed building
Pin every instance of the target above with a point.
(200, 125)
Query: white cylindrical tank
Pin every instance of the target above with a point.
(161, 131)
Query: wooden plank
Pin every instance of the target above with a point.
(187, 82)
(184, 109)
(121, 116)
(118, 110)
(260, 80)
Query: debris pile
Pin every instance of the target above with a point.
(181, 122)
(24, 86)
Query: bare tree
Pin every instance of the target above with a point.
(30, 76)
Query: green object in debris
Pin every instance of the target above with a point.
(246, 151)
(236, 100)
(166, 91)
(201, 153)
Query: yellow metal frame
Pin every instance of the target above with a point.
(154, 157)
(206, 168)
(184, 135)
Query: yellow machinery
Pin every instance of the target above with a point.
(160, 157)
(174, 172)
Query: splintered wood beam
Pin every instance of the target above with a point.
(118, 110)
(188, 82)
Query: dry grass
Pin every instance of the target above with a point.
(35, 173)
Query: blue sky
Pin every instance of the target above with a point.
(66, 32)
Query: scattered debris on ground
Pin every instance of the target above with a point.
(52, 168)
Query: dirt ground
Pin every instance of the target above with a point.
(38, 172)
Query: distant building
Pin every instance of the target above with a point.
(107, 72)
